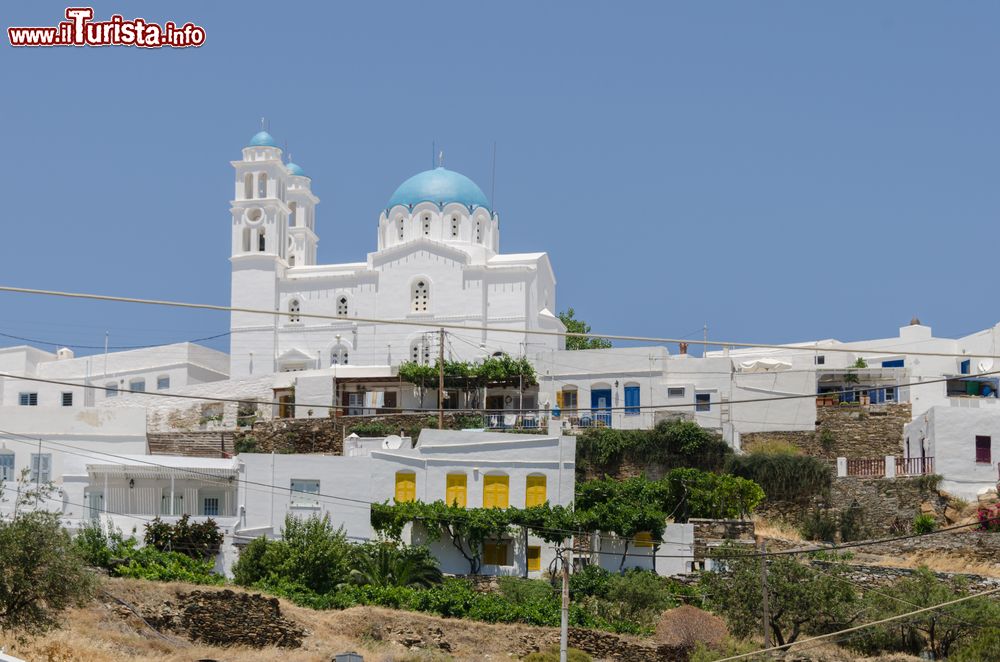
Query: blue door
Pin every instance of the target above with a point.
(600, 405)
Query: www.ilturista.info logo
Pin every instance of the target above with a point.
(80, 30)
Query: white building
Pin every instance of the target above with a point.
(161, 368)
(965, 445)
(437, 259)
(476, 469)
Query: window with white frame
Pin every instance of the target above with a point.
(420, 296)
(248, 186)
(702, 401)
(293, 311)
(162, 382)
(137, 385)
(27, 399)
(211, 504)
(41, 467)
(6, 465)
(67, 398)
(262, 185)
(675, 392)
(292, 207)
(342, 307)
(110, 390)
(819, 360)
(305, 493)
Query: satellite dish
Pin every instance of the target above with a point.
(392, 442)
(985, 365)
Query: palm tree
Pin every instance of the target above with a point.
(387, 565)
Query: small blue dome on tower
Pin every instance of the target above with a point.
(263, 139)
(439, 186)
(295, 169)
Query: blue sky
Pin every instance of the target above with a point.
(780, 170)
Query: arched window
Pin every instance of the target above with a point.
(455, 490)
(246, 240)
(406, 486)
(420, 352)
(454, 227)
(292, 207)
(421, 296)
(262, 185)
(342, 307)
(293, 310)
(427, 225)
(261, 241)
(338, 355)
(534, 491)
(496, 491)
(248, 186)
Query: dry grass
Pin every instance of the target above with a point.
(777, 530)
(936, 561)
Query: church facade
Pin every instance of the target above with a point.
(437, 260)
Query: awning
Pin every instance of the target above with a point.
(765, 365)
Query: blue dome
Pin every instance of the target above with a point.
(439, 186)
(263, 139)
(295, 169)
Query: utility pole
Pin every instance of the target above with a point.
(565, 559)
(765, 612)
(441, 379)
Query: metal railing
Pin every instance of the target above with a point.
(902, 466)
(866, 467)
(501, 420)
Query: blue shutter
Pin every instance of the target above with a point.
(631, 400)
(895, 363)
(966, 366)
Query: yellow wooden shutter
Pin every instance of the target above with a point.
(495, 553)
(534, 558)
(644, 539)
(534, 493)
(496, 491)
(559, 399)
(406, 486)
(456, 490)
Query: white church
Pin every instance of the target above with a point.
(437, 260)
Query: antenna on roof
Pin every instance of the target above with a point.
(441, 159)
(493, 178)
(261, 123)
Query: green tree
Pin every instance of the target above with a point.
(801, 600)
(201, 540)
(379, 564)
(941, 631)
(41, 573)
(574, 325)
(310, 554)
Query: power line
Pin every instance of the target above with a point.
(114, 347)
(493, 329)
(331, 405)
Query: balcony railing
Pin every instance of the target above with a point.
(914, 466)
(866, 467)
(500, 420)
(902, 466)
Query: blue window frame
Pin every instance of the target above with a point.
(895, 363)
(965, 367)
(631, 400)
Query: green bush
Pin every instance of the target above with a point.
(669, 444)
(372, 429)
(783, 477)
(525, 591)
(310, 554)
(108, 549)
(201, 540)
(924, 523)
(819, 525)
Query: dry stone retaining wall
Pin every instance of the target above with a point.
(852, 431)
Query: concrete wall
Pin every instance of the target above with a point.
(948, 434)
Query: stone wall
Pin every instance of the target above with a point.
(226, 618)
(877, 576)
(326, 435)
(852, 431)
(712, 532)
(878, 506)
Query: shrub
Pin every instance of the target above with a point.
(783, 477)
(924, 523)
(687, 626)
(385, 564)
(199, 541)
(310, 554)
(525, 591)
(372, 429)
(989, 518)
(669, 444)
(819, 525)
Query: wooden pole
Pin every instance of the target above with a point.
(765, 615)
(564, 616)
